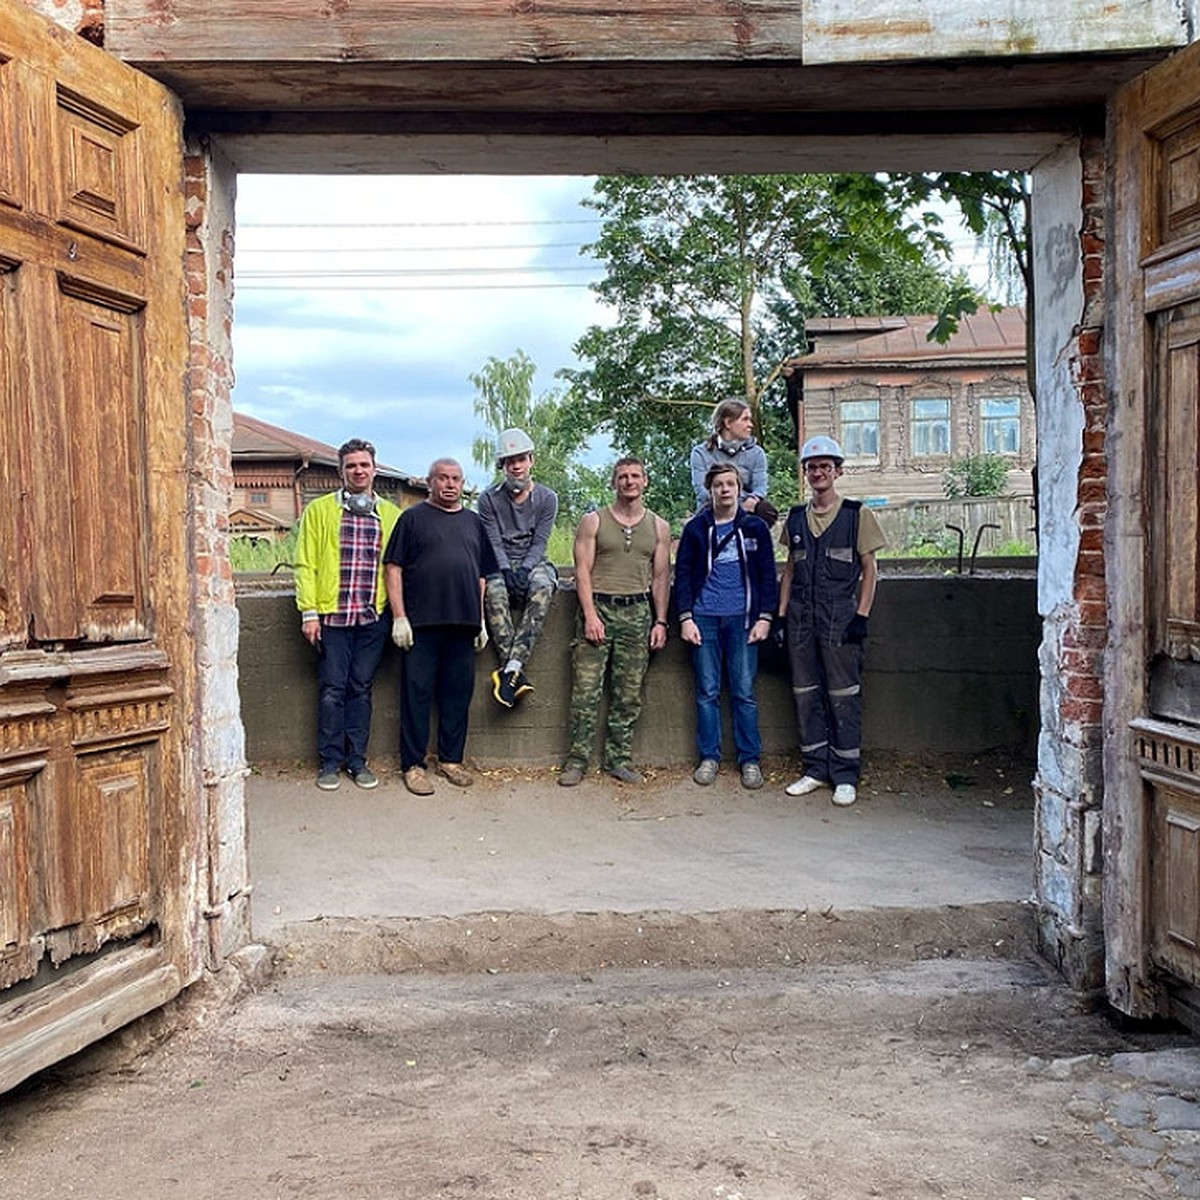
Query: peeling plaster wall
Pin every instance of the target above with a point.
(85, 17)
(211, 187)
(1068, 267)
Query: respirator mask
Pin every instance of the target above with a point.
(361, 504)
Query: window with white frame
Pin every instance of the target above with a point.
(259, 498)
(930, 427)
(860, 428)
(1001, 423)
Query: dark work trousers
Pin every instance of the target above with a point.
(348, 657)
(827, 690)
(439, 669)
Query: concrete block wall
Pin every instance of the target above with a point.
(951, 666)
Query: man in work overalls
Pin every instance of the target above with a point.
(826, 592)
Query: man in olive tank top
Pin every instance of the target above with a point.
(622, 584)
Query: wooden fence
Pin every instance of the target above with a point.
(994, 520)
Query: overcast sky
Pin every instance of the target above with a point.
(363, 304)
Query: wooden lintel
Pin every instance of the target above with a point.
(700, 89)
(449, 31)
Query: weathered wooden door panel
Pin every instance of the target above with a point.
(1153, 825)
(98, 837)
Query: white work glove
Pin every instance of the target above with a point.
(481, 639)
(402, 633)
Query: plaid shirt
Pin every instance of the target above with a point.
(360, 539)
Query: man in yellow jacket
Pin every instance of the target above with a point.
(342, 602)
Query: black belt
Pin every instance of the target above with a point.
(621, 601)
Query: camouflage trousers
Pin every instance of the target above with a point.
(624, 655)
(510, 640)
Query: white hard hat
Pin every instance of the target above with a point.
(821, 446)
(511, 443)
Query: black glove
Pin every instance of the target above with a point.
(856, 631)
(779, 632)
(510, 579)
(767, 511)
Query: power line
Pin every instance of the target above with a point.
(403, 249)
(409, 272)
(407, 287)
(413, 224)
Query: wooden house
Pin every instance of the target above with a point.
(905, 408)
(277, 472)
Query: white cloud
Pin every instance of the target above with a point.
(364, 303)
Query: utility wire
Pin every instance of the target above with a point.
(413, 224)
(406, 287)
(407, 272)
(243, 249)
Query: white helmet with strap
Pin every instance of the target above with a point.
(821, 446)
(511, 443)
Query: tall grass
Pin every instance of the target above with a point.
(262, 554)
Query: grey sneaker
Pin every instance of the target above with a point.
(706, 772)
(364, 777)
(329, 781)
(752, 776)
(572, 776)
(625, 775)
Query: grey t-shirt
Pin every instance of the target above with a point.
(518, 533)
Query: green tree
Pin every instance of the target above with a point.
(995, 206)
(980, 475)
(711, 279)
(505, 400)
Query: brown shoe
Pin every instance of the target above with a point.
(417, 782)
(455, 773)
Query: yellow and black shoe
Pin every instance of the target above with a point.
(521, 685)
(503, 688)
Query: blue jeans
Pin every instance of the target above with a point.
(349, 658)
(724, 650)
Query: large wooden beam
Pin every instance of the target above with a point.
(703, 57)
(453, 31)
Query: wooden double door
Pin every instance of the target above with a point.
(98, 841)
(1152, 833)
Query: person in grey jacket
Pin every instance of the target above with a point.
(732, 442)
(517, 515)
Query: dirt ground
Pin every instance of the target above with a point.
(940, 1077)
(745, 1055)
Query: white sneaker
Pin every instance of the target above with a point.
(844, 795)
(804, 785)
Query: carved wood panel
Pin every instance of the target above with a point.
(1180, 195)
(12, 589)
(10, 151)
(1179, 446)
(1176, 875)
(98, 835)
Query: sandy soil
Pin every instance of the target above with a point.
(813, 1082)
(744, 1055)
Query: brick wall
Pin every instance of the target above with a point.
(1070, 783)
(210, 185)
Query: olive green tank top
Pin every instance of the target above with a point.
(624, 555)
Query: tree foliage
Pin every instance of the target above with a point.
(505, 400)
(979, 475)
(711, 279)
(995, 206)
